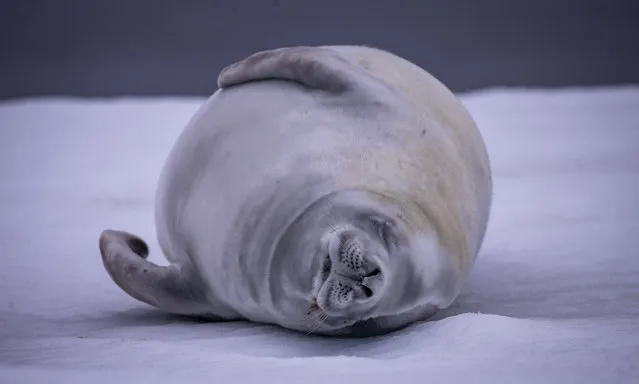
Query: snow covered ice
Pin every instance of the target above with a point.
(553, 297)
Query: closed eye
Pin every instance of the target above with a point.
(385, 231)
(374, 272)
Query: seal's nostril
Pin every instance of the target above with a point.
(367, 291)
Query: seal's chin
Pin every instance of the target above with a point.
(346, 326)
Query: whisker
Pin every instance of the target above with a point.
(316, 317)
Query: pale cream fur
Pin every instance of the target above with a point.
(445, 171)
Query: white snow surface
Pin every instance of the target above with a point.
(553, 297)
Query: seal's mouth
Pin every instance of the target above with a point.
(322, 279)
(327, 267)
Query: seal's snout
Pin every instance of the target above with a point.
(354, 284)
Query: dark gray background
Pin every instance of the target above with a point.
(164, 47)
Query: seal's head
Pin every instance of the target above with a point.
(354, 267)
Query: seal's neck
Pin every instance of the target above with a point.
(259, 263)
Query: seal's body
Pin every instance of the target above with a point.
(333, 189)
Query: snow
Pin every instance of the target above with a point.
(554, 295)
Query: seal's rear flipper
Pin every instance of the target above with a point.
(319, 68)
(124, 257)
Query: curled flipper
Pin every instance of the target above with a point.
(319, 68)
(124, 257)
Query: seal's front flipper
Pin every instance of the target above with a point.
(124, 257)
(319, 68)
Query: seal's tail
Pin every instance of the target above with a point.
(124, 257)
